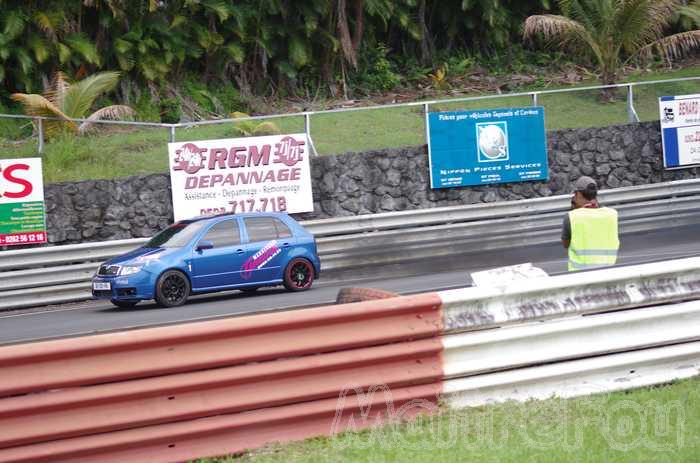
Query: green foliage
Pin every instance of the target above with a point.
(170, 111)
(277, 47)
(146, 109)
(202, 96)
(376, 73)
(230, 98)
(13, 129)
(252, 128)
(259, 44)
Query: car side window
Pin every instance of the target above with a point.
(260, 229)
(283, 230)
(224, 234)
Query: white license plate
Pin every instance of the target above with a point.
(100, 286)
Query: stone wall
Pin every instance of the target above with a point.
(365, 183)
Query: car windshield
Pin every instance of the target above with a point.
(175, 236)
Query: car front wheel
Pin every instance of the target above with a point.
(299, 275)
(172, 289)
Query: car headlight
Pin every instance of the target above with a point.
(129, 270)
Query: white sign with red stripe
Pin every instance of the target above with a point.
(22, 209)
(253, 174)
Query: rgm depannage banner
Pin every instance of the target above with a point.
(680, 130)
(487, 146)
(253, 174)
(22, 208)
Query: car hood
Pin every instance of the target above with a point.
(141, 256)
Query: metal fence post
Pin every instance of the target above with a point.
(172, 134)
(534, 99)
(631, 112)
(307, 131)
(426, 112)
(40, 126)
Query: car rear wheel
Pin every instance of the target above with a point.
(299, 275)
(124, 304)
(172, 289)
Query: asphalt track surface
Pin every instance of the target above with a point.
(97, 316)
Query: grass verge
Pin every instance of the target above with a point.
(130, 152)
(658, 424)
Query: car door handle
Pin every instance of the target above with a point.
(239, 251)
(285, 245)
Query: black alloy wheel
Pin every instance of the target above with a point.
(299, 275)
(123, 304)
(172, 289)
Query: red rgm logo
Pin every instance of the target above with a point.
(191, 158)
(12, 186)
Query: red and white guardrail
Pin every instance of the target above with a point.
(216, 387)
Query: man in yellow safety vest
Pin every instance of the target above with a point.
(590, 231)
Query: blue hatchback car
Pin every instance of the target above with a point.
(207, 254)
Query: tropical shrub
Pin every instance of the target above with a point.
(611, 33)
(64, 100)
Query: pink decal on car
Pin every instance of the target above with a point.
(259, 259)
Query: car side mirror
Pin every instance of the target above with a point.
(204, 244)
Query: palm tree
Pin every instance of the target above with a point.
(614, 32)
(65, 100)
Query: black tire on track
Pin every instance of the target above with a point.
(172, 289)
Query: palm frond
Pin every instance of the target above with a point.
(26, 62)
(220, 8)
(82, 95)
(14, 24)
(39, 46)
(551, 27)
(46, 24)
(299, 54)
(266, 128)
(563, 32)
(634, 25)
(236, 52)
(64, 53)
(674, 46)
(37, 105)
(113, 113)
(84, 47)
(664, 11)
(692, 11)
(56, 93)
(590, 17)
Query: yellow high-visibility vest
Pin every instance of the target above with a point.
(594, 239)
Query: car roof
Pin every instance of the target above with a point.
(216, 218)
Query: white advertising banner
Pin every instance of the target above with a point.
(252, 174)
(679, 117)
(22, 208)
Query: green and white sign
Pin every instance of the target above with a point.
(22, 209)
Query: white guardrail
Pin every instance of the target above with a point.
(57, 274)
(571, 335)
